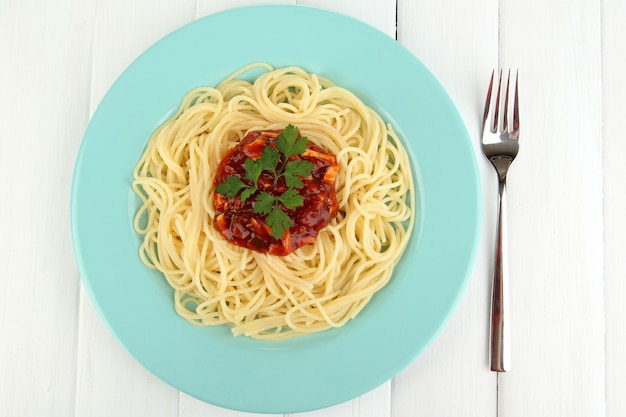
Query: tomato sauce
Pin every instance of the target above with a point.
(239, 224)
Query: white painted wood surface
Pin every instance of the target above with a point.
(614, 181)
(567, 199)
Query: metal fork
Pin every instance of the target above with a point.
(500, 145)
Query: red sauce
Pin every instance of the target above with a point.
(240, 225)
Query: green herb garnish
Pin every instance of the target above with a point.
(288, 144)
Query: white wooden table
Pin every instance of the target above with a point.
(567, 201)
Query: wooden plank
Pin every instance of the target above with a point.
(457, 41)
(190, 406)
(556, 216)
(125, 29)
(376, 403)
(206, 7)
(382, 16)
(44, 85)
(614, 149)
(110, 381)
(377, 13)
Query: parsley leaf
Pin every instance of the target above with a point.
(279, 221)
(291, 199)
(247, 193)
(264, 203)
(269, 158)
(296, 169)
(253, 169)
(289, 143)
(231, 186)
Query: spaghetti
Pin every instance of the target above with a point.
(316, 287)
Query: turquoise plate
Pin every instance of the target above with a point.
(310, 372)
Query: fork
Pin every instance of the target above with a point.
(500, 145)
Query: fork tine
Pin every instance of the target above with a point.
(496, 113)
(515, 131)
(487, 111)
(505, 115)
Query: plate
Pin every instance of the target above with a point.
(310, 372)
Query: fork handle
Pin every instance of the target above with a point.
(500, 338)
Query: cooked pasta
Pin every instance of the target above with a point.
(318, 286)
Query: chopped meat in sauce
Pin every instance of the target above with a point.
(239, 224)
